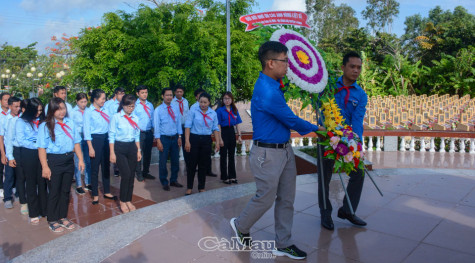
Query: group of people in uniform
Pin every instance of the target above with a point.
(47, 148)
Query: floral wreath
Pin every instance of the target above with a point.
(306, 66)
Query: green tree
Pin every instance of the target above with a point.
(330, 22)
(166, 45)
(380, 14)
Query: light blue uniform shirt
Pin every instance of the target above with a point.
(163, 122)
(196, 122)
(186, 108)
(111, 106)
(69, 108)
(62, 143)
(26, 134)
(10, 136)
(3, 118)
(121, 130)
(78, 118)
(145, 122)
(94, 123)
(194, 106)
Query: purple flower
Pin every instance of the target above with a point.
(342, 149)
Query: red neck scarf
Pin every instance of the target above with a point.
(4, 113)
(230, 115)
(64, 126)
(282, 86)
(37, 123)
(171, 113)
(82, 112)
(205, 116)
(180, 104)
(347, 97)
(105, 116)
(146, 108)
(133, 123)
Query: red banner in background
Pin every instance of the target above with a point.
(294, 18)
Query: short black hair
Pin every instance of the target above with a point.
(118, 89)
(351, 54)
(179, 86)
(127, 100)
(206, 95)
(11, 100)
(199, 91)
(95, 94)
(141, 87)
(165, 89)
(4, 94)
(58, 88)
(270, 50)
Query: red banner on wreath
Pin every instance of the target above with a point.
(294, 18)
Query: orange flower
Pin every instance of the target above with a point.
(57, 43)
(53, 38)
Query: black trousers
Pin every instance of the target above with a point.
(126, 159)
(59, 186)
(100, 144)
(146, 144)
(35, 184)
(2, 167)
(226, 159)
(354, 187)
(20, 175)
(200, 155)
(186, 155)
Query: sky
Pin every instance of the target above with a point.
(23, 22)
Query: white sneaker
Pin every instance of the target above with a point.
(1, 193)
(8, 204)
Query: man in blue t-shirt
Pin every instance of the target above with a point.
(352, 101)
(272, 159)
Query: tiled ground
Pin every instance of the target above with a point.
(408, 224)
(423, 217)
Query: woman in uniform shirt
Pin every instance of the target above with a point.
(228, 119)
(201, 122)
(96, 128)
(57, 139)
(26, 129)
(77, 115)
(124, 142)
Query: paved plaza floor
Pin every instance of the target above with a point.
(427, 214)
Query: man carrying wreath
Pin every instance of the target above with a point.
(272, 159)
(351, 100)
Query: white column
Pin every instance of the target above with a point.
(301, 141)
(402, 146)
(378, 143)
(243, 148)
(293, 142)
(452, 145)
(370, 144)
(432, 145)
(423, 145)
(462, 145)
(472, 146)
(251, 143)
(413, 144)
(364, 145)
(310, 143)
(442, 145)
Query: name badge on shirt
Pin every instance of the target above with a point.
(354, 102)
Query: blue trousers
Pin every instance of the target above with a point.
(87, 162)
(8, 183)
(170, 148)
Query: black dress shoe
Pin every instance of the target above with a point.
(149, 176)
(110, 197)
(176, 184)
(166, 188)
(95, 202)
(139, 177)
(352, 218)
(327, 221)
(212, 175)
